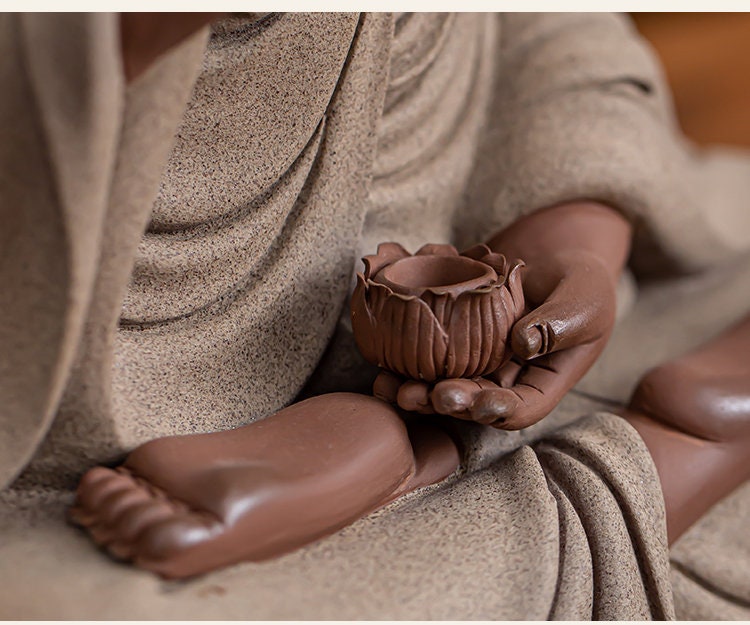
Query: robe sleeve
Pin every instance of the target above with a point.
(581, 110)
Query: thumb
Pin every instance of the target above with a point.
(580, 310)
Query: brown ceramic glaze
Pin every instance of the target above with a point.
(436, 314)
(574, 254)
(694, 415)
(442, 275)
(185, 505)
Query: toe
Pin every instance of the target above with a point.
(101, 533)
(94, 476)
(81, 516)
(165, 539)
(119, 502)
(139, 517)
(92, 493)
(122, 550)
(117, 508)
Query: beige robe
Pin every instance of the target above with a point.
(177, 257)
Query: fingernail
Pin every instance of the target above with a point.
(413, 396)
(492, 406)
(533, 342)
(451, 401)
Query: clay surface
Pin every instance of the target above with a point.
(707, 391)
(694, 415)
(574, 254)
(185, 505)
(432, 72)
(447, 274)
(436, 314)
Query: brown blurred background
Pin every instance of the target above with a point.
(707, 60)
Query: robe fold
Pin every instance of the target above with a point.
(176, 256)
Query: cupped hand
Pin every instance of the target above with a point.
(572, 300)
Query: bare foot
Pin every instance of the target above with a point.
(185, 505)
(694, 415)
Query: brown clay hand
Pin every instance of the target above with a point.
(574, 254)
(553, 345)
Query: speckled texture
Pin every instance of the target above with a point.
(83, 430)
(711, 563)
(171, 292)
(58, 148)
(483, 546)
(698, 307)
(580, 109)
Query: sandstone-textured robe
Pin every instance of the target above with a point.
(175, 257)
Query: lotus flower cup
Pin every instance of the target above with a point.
(437, 314)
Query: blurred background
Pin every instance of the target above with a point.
(707, 61)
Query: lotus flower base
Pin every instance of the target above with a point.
(437, 314)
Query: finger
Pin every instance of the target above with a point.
(454, 397)
(494, 406)
(534, 395)
(414, 396)
(580, 310)
(386, 386)
(506, 375)
(538, 388)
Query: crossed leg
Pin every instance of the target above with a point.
(184, 505)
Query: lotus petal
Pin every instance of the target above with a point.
(363, 323)
(388, 253)
(432, 341)
(437, 334)
(477, 333)
(498, 262)
(437, 249)
(515, 287)
(459, 337)
(477, 252)
(403, 323)
(441, 305)
(504, 307)
(493, 328)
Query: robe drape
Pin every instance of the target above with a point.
(176, 257)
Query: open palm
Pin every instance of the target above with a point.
(572, 300)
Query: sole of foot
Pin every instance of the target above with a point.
(181, 506)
